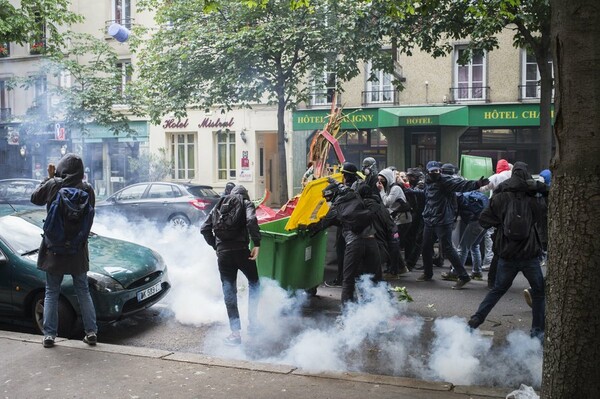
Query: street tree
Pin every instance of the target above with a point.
(434, 26)
(572, 344)
(36, 22)
(234, 54)
(83, 86)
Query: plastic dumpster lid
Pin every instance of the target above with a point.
(473, 167)
(311, 206)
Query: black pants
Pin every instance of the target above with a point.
(229, 264)
(361, 257)
(340, 248)
(414, 242)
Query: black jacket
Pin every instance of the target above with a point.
(493, 216)
(69, 173)
(341, 212)
(440, 199)
(245, 232)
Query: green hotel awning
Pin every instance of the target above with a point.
(424, 116)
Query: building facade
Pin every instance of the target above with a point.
(488, 107)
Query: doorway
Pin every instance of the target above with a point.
(267, 168)
(424, 147)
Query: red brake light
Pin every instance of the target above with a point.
(200, 204)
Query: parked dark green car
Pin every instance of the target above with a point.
(124, 277)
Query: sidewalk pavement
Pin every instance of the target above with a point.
(73, 369)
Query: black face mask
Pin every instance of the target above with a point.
(435, 176)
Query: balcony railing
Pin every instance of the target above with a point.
(470, 94)
(5, 114)
(530, 91)
(126, 22)
(323, 99)
(379, 97)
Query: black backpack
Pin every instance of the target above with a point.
(69, 221)
(229, 217)
(518, 219)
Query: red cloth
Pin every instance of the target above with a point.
(502, 165)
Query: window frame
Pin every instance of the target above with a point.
(126, 72)
(470, 88)
(125, 18)
(324, 88)
(525, 80)
(184, 163)
(230, 148)
(379, 87)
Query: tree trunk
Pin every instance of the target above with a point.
(572, 344)
(282, 178)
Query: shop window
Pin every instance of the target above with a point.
(530, 76)
(470, 78)
(378, 139)
(497, 136)
(380, 90)
(122, 12)
(183, 155)
(226, 155)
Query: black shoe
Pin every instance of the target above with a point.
(449, 276)
(477, 276)
(474, 322)
(333, 283)
(48, 341)
(91, 339)
(424, 277)
(460, 283)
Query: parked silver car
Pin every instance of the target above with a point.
(181, 204)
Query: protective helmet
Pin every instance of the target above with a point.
(349, 167)
(369, 162)
(448, 169)
(331, 191)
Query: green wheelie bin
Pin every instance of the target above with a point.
(295, 260)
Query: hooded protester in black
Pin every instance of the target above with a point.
(492, 216)
(69, 173)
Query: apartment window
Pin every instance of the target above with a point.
(183, 154)
(40, 88)
(122, 12)
(124, 69)
(530, 76)
(4, 101)
(226, 155)
(470, 78)
(324, 89)
(38, 38)
(380, 90)
(4, 49)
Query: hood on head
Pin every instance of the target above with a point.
(502, 166)
(519, 177)
(241, 190)
(70, 169)
(388, 174)
(449, 169)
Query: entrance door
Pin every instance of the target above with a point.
(423, 147)
(266, 167)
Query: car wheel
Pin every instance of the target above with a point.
(66, 316)
(179, 221)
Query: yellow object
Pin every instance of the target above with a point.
(311, 206)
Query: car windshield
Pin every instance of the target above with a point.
(16, 190)
(21, 235)
(202, 191)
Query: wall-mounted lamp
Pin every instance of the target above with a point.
(63, 150)
(286, 136)
(23, 151)
(243, 135)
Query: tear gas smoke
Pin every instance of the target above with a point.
(375, 334)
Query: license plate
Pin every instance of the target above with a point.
(148, 292)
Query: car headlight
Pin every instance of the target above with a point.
(103, 283)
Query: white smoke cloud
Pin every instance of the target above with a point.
(375, 334)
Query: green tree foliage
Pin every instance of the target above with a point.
(35, 21)
(434, 25)
(234, 54)
(83, 86)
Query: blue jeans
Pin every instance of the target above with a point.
(444, 235)
(505, 275)
(82, 290)
(469, 241)
(229, 264)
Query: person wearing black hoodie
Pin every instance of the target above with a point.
(515, 255)
(67, 173)
(233, 254)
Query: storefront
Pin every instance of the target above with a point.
(108, 157)
(411, 136)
